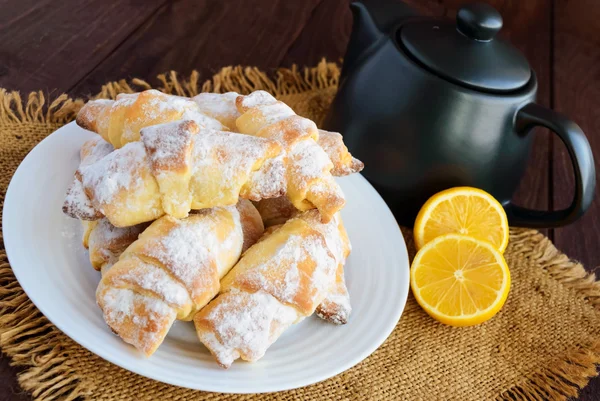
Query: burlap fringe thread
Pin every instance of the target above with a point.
(237, 79)
(33, 343)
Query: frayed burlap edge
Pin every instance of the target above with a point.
(34, 344)
(570, 372)
(285, 81)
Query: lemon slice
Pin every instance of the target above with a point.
(459, 280)
(462, 210)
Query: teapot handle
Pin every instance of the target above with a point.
(577, 145)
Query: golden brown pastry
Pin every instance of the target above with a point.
(308, 168)
(177, 167)
(343, 162)
(266, 116)
(275, 211)
(76, 201)
(336, 308)
(172, 271)
(107, 242)
(278, 282)
(222, 106)
(120, 121)
(174, 170)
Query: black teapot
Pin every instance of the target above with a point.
(428, 104)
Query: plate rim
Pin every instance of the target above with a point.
(88, 344)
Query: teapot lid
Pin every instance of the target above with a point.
(468, 53)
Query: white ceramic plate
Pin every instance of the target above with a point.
(46, 255)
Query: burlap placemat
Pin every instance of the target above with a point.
(544, 344)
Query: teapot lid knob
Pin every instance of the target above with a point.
(478, 21)
(467, 53)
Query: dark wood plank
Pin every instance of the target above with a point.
(205, 35)
(591, 392)
(9, 388)
(577, 94)
(325, 35)
(576, 84)
(51, 45)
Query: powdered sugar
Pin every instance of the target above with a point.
(94, 150)
(154, 107)
(203, 121)
(108, 235)
(128, 99)
(260, 300)
(156, 280)
(77, 204)
(335, 242)
(235, 154)
(167, 143)
(161, 104)
(107, 242)
(119, 303)
(224, 354)
(68, 234)
(256, 98)
(282, 276)
(105, 102)
(269, 181)
(166, 103)
(187, 251)
(273, 113)
(139, 319)
(220, 106)
(308, 161)
(190, 250)
(116, 172)
(245, 324)
(307, 164)
(336, 307)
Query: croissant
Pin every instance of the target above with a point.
(172, 171)
(120, 121)
(336, 307)
(263, 115)
(308, 173)
(343, 162)
(223, 107)
(107, 242)
(277, 282)
(77, 201)
(172, 271)
(176, 167)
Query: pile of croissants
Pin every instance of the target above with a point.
(221, 209)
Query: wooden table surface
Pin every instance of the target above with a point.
(74, 46)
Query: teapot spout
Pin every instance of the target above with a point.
(373, 19)
(365, 27)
